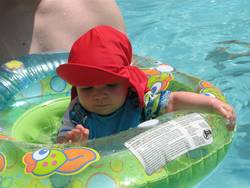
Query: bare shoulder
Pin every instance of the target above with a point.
(82, 13)
(76, 17)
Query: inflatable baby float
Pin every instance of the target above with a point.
(32, 102)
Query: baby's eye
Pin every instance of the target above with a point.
(112, 85)
(86, 88)
(41, 154)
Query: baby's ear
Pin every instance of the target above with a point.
(132, 90)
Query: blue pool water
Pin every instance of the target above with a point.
(209, 39)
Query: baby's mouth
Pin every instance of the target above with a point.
(101, 106)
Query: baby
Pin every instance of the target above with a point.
(108, 92)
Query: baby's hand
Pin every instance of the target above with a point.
(78, 135)
(226, 110)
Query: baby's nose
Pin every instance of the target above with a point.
(100, 93)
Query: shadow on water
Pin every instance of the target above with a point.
(228, 51)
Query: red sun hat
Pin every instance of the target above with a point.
(102, 56)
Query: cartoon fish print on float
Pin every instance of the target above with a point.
(3, 162)
(13, 65)
(208, 89)
(159, 77)
(5, 137)
(45, 162)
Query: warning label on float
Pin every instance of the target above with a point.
(163, 143)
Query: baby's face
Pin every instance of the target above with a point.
(103, 99)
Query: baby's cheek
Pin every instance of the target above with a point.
(84, 98)
(120, 91)
(119, 98)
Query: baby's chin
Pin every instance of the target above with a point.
(104, 111)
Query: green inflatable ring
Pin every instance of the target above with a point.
(32, 102)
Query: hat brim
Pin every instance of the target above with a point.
(79, 75)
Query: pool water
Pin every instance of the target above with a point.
(209, 39)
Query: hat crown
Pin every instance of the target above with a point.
(102, 47)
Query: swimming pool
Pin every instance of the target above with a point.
(209, 39)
